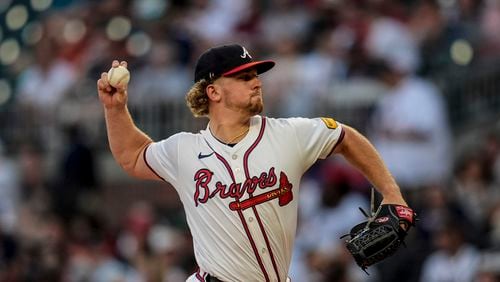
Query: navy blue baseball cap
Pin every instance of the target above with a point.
(226, 60)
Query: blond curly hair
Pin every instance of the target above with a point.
(197, 98)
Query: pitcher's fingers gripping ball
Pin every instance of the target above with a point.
(381, 236)
(112, 85)
(118, 76)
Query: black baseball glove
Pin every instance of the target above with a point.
(381, 235)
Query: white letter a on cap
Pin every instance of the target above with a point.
(245, 53)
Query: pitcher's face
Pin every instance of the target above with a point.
(242, 92)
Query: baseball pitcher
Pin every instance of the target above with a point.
(238, 179)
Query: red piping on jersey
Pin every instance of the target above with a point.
(341, 137)
(247, 174)
(198, 275)
(240, 214)
(267, 241)
(257, 141)
(147, 164)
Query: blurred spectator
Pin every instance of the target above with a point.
(391, 41)
(454, 259)
(283, 20)
(490, 27)
(163, 262)
(436, 35)
(91, 256)
(162, 78)
(215, 21)
(43, 84)
(42, 255)
(410, 124)
(320, 255)
(85, 234)
(410, 129)
(108, 268)
(132, 240)
(437, 206)
(77, 182)
(318, 69)
(30, 161)
(473, 189)
(156, 250)
(282, 83)
(78, 165)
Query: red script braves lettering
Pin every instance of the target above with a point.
(205, 190)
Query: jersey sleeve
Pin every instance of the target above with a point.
(318, 137)
(162, 158)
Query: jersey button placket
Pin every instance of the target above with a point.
(253, 225)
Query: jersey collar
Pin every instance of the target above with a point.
(245, 143)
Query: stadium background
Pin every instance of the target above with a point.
(68, 213)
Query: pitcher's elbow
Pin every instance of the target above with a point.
(125, 164)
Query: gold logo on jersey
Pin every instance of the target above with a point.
(329, 122)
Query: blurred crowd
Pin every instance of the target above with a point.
(386, 67)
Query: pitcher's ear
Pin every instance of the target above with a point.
(213, 92)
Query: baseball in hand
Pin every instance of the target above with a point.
(118, 76)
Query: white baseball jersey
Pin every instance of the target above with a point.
(241, 201)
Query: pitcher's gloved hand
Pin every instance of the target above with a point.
(381, 236)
